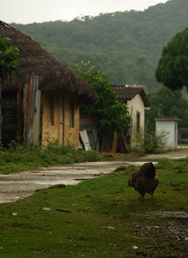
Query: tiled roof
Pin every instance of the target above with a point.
(128, 92)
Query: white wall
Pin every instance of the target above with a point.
(172, 129)
(136, 105)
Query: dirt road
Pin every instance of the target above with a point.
(21, 185)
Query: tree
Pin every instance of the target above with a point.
(165, 102)
(9, 62)
(112, 113)
(172, 68)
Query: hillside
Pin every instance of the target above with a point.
(126, 46)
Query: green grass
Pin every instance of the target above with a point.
(16, 158)
(100, 217)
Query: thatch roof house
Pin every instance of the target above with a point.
(53, 75)
(60, 91)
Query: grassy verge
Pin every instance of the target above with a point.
(100, 217)
(16, 158)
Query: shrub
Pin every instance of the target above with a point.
(155, 143)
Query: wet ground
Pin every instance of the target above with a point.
(21, 185)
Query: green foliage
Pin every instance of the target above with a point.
(155, 143)
(172, 68)
(9, 62)
(112, 113)
(16, 158)
(149, 141)
(99, 218)
(115, 116)
(126, 46)
(165, 102)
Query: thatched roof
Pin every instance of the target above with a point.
(53, 75)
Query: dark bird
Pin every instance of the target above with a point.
(144, 180)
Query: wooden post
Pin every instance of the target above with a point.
(114, 142)
(26, 111)
(19, 120)
(35, 84)
(36, 119)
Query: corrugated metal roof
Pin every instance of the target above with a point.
(128, 92)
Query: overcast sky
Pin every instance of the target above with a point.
(29, 11)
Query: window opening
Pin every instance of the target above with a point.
(71, 114)
(138, 121)
(51, 110)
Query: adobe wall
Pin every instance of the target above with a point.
(61, 129)
(49, 132)
(71, 134)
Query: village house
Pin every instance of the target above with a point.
(42, 103)
(136, 100)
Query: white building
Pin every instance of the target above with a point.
(136, 100)
(170, 126)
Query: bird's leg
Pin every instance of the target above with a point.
(142, 199)
(152, 198)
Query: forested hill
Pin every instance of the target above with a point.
(126, 46)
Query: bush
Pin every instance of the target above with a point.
(149, 141)
(155, 143)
